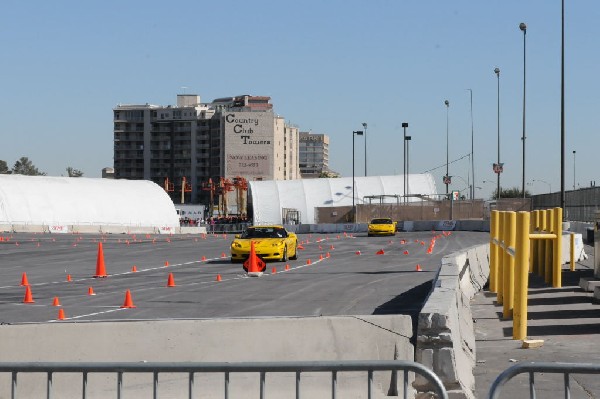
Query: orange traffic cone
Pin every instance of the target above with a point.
(171, 280)
(100, 267)
(327, 255)
(273, 271)
(61, 314)
(331, 246)
(287, 267)
(254, 265)
(300, 247)
(223, 255)
(128, 304)
(321, 257)
(91, 291)
(55, 301)
(24, 280)
(28, 296)
(418, 268)
(134, 269)
(308, 261)
(380, 252)
(203, 258)
(405, 252)
(357, 252)
(218, 277)
(166, 263)
(69, 279)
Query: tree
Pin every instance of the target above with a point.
(4, 168)
(24, 166)
(72, 172)
(514, 192)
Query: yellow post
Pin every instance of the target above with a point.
(557, 248)
(534, 261)
(509, 266)
(542, 246)
(522, 276)
(494, 230)
(501, 255)
(549, 245)
(572, 257)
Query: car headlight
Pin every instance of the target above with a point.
(236, 245)
(276, 244)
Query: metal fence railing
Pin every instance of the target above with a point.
(531, 368)
(191, 370)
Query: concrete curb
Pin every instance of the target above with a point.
(445, 334)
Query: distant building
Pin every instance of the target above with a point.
(314, 155)
(230, 137)
(108, 173)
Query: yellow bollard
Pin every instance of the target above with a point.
(501, 255)
(522, 248)
(509, 266)
(549, 247)
(572, 254)
(557, 248)
(542, 246)
(533, 259)
(494, 230)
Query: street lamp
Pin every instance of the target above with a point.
(354, 133)
(523, 27)
(574, 169)
(447, 177)
(562, 112)
(472, 152)
(545, 182)
(405, 168)
(365, 130)
(498, 166)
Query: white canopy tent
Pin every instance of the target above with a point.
(270, 197)
(42, 200)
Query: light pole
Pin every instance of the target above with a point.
(405, 168)
(562, 112)
(447, 177)
(574, 181)
(498, 167)
(365, 129)
(472, 153)
(407, 138)
(545, 182)
(523, 27)
(354, 133)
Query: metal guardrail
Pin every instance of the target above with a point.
(566, 369)
(262, 368)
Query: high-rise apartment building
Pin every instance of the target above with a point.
(313, 155)
(230, 137)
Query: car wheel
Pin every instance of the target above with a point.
(295, 252)
(284, 257)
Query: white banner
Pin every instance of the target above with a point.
(58, 229)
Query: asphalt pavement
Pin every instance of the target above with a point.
(566, 319)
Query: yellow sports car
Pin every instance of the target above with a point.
(270, 243)
(382, 226)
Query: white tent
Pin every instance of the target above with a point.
(270, 197)
(42, 200)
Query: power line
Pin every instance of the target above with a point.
(444, 165)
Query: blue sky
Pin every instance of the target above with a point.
(329, 66)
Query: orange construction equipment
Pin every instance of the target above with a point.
(24, 280)
(28, 296)
(128, 304)
(171, 280)
(61, 314)
(100, 267)
(254, 264)
(55, 301)
(380, 252)
(91, 291)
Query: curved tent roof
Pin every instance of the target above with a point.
(270, 197)
(42, 200)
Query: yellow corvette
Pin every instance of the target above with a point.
(270, 243)
(382, 226)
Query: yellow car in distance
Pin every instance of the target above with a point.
(270, 243)
(382, 226)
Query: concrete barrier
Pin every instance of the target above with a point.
(28, 228)
(229, 340)
(192, 230)
(445, 334)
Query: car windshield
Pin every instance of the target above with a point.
(264, 232)
(381, 221)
